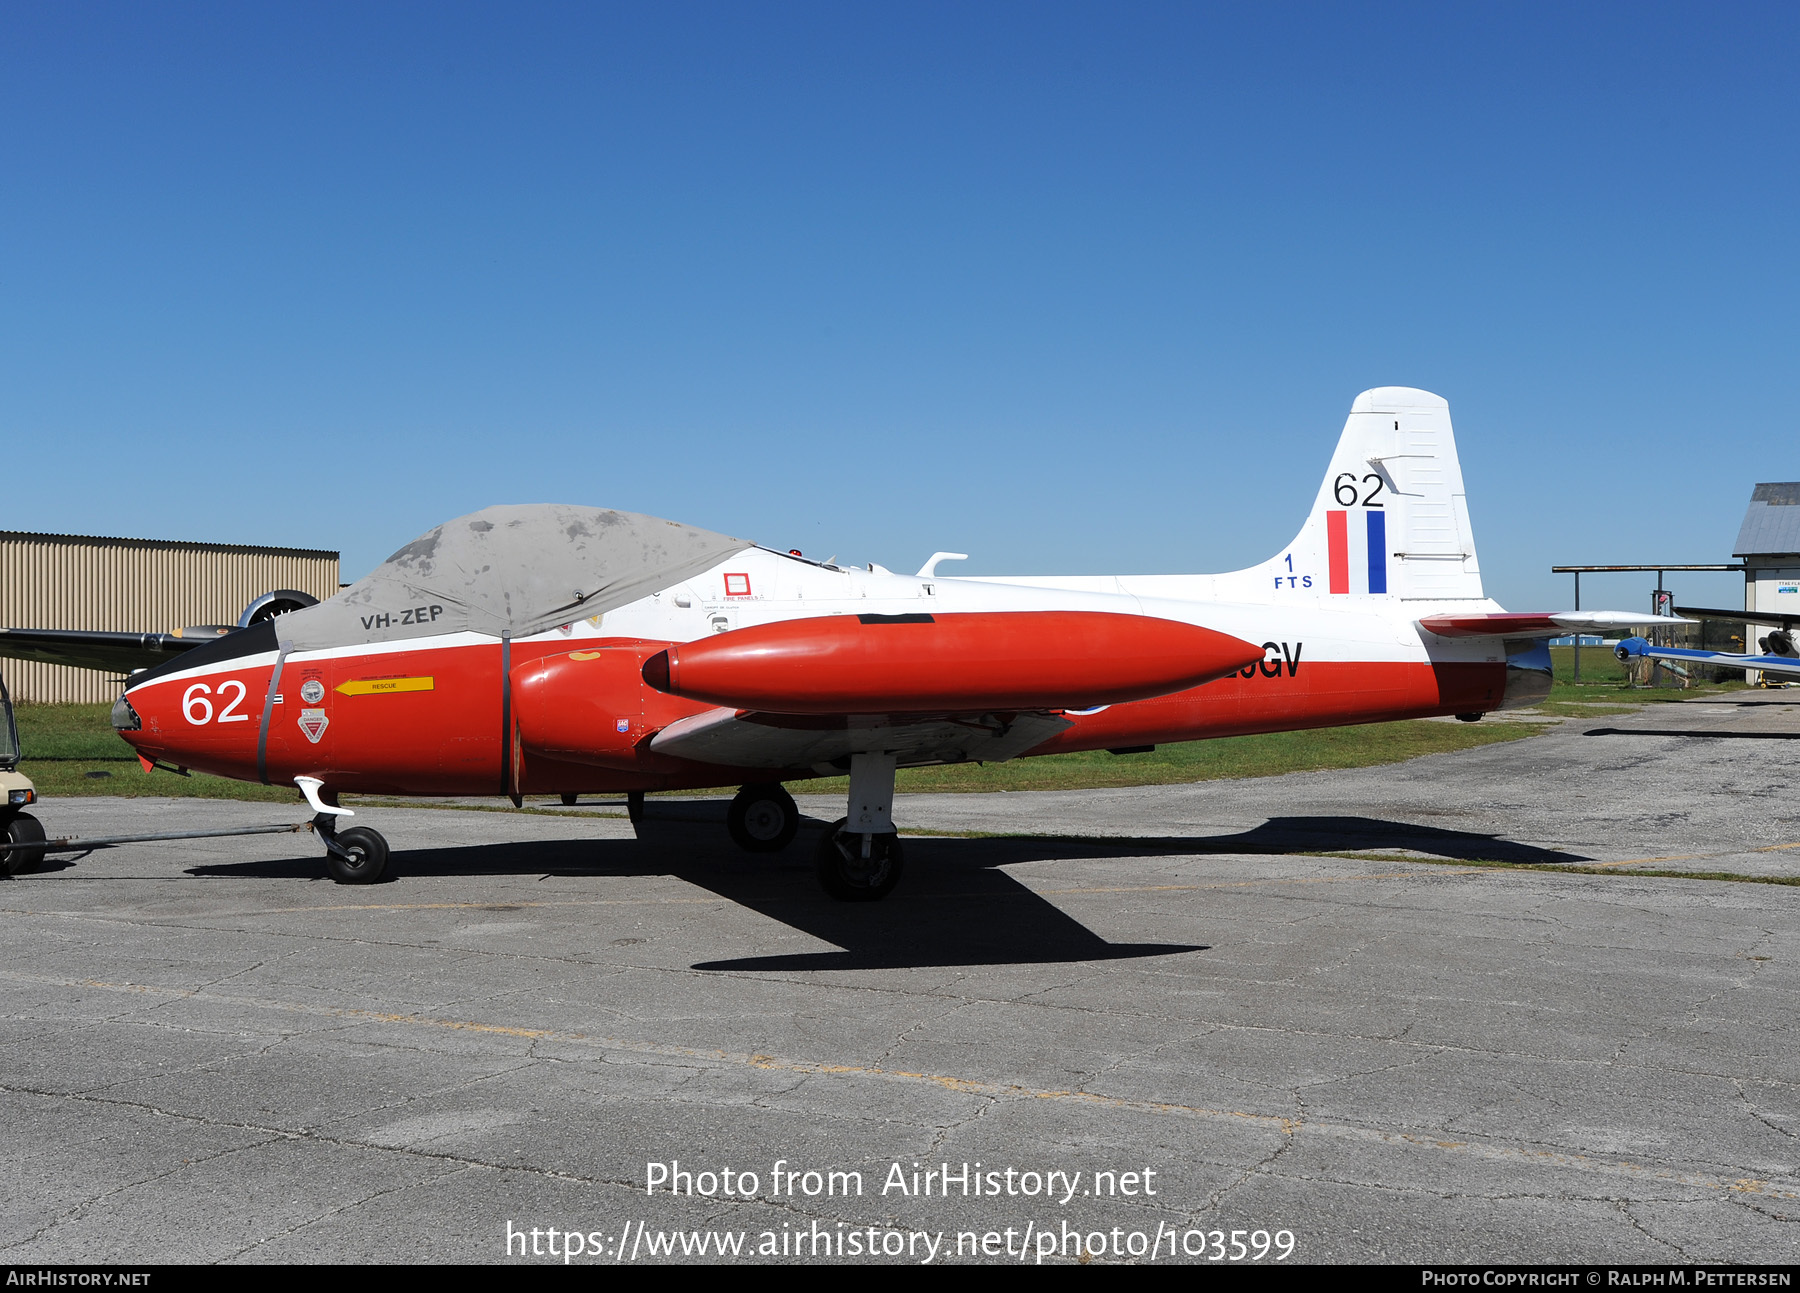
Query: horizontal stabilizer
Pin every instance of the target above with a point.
(1540, 624)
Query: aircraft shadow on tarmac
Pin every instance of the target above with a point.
(1710, 736)
(956, 906)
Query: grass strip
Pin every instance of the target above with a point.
(74, 779)
(71, 750)
(1603, 678)
(1229, 757)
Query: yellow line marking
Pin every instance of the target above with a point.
(502, 905)
(493, 905)
(498, 904)
(1274, 1123)
(1240, 884)
(383, 686)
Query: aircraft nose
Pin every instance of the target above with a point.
(124, 717)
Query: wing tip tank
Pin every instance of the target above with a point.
(948, 663)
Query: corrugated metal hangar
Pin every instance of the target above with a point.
(1768, 543)
(72, 581)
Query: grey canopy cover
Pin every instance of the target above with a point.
(520, 569)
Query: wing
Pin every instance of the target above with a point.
(126, 653)
(120, 653)
(948, 688)
(1739, 617)
(1636, 648)
(1541, 624)
(748, 739)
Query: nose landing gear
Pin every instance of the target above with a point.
(356, 856)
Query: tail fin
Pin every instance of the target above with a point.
(1390, 518)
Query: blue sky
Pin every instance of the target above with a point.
(1069, 287)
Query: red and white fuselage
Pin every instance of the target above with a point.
(762, 666)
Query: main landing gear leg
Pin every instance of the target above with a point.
(860, 858)
(356, 856)
(634, 806)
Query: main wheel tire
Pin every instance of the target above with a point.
(763, 819)
(367, 860)
(19, 856)
(850, 877)
(569, 800)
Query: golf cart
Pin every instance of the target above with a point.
(19, 830)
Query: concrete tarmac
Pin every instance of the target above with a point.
(1306, 1008)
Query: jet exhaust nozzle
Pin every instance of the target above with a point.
(656, 671)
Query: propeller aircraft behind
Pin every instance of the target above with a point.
(552, 649)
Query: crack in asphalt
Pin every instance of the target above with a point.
(72, 1213)
(1754, 1112)
(1637, 1223)
(314, 1220)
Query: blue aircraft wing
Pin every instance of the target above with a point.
(1638, 648)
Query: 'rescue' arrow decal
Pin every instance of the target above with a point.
(382, 686)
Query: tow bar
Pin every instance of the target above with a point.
(76, 844)
(356, 856)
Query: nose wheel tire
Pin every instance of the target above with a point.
(763, 819)
(847, 875)
(18, 856)
(363, 859)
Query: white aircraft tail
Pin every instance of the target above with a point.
(1390, 519)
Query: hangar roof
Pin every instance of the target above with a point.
(1772, 525)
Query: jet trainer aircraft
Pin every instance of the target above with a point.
(561, 649)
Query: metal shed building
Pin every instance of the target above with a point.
(1768, 542)
(72, 581)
